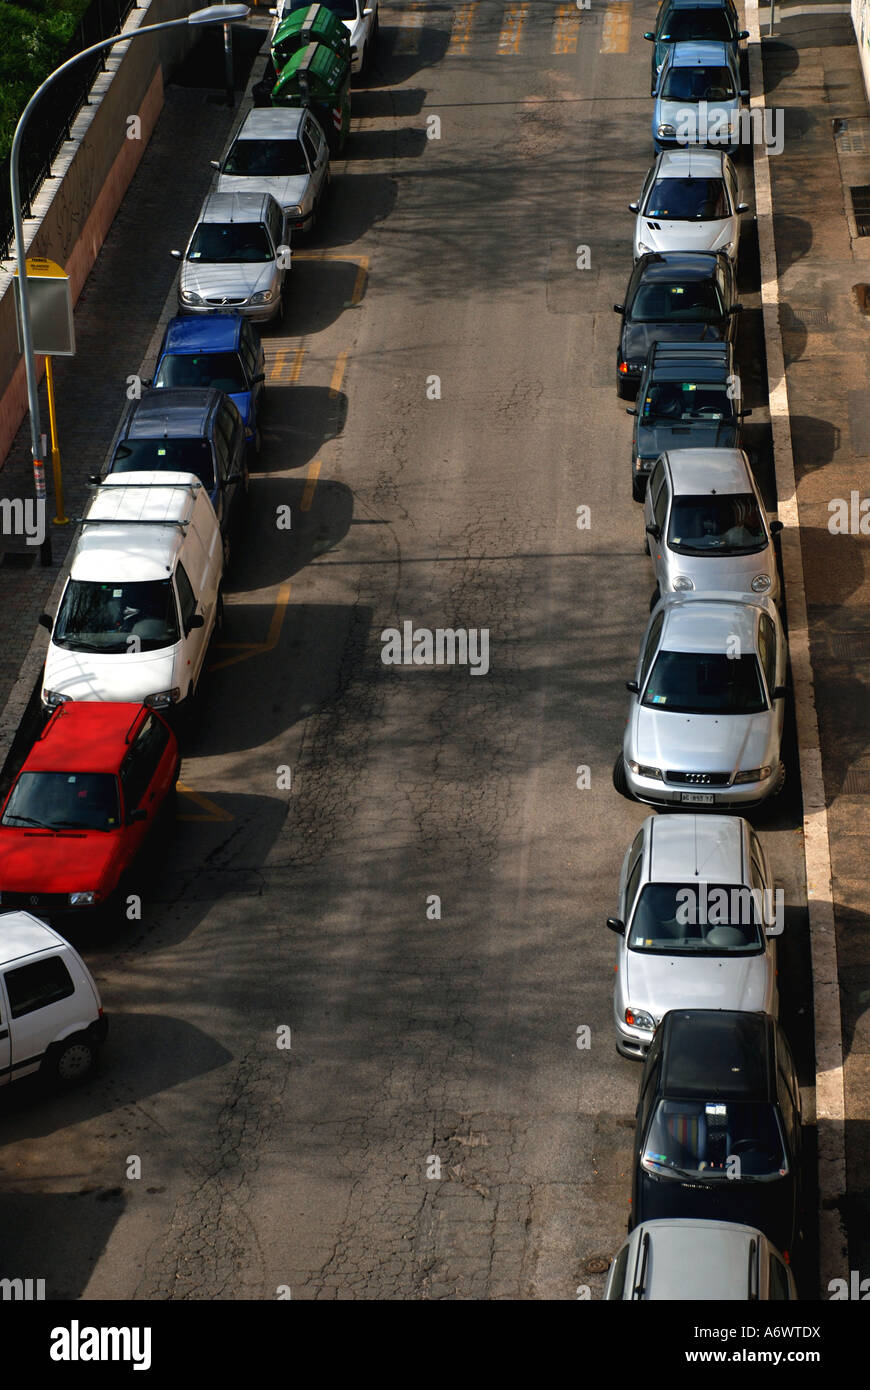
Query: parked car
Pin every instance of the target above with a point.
(706, 522)
(82, 808)
(689, 397)
(143, 595)
(698, 97)
(673, 296)
(685, 21)
(360, 20)
(719, 1125)
(696, 925)
(689, 202)
(183, 430)
(51, 1015)
(281, 151)
(222, 351)
(705, 721)
(703, 1261)
(236, 259)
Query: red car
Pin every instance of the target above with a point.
(81, 808)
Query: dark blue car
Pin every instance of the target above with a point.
(222, 351)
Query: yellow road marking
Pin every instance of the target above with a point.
(409, 25)
(297, 365)
(213, 812)
(338, 374)
(278, 370)
(245, 650)
(310, 485)
(512, 28)
(460, 33)
(617, 28)
(566, 29)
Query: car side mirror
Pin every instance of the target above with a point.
(619, 308)
(655, 532)
(196, 621)
(744, 34)
(775, 528)
(744, 92)
(255, 380)
(176, 255)
(779, 692)
(633, 687)
(742, 207)
(215, 163)
(147, 381)
(139, 814)
(616, 924)
(649, 35)
(273, 11)
(284, 257)
(630, 410)
(45, 621)
(367, 10)
(632, 207)
(736, 309)
(231, 478)
(744, 414)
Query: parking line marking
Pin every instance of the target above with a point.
(460, 31)
(512, 28)
(566, 29)
(245, 650)
(616, 30)
(296, 368)
(338, 374)
(310, 485)
(277, 367)
(410, 26)
(213, 812)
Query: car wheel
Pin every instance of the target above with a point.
(620, 782)
(654, 597)
(646, 549)
(638, 493)
(779, 781)
(71, 1061)
(219, 612)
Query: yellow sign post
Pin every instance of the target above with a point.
(53, 334)
(61, 519)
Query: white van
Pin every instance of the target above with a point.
(51, 1017)
(143, 594)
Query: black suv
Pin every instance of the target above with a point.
(680, 21)
(689, 398)
(674, 297)
(719, 1124)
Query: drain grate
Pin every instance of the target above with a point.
(851, 136)
(17, 559)
(860, 194)
(856, 782)
(803, 318)
(849, 646)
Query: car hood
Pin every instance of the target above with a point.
(227, 278)
(689, 434)
(699, 742)
(676, 113)
(287, 189)
(658, 234)
(38, 861)
(731, 573)
(661, 982)
(638, 338)
(116, 676)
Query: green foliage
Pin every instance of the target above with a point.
(33, 36)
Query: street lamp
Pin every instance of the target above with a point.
(211, 14)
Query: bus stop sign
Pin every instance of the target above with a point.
(51, 312)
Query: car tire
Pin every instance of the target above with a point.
(646, 549)
(638, 493)
(654, 597)
(779, 781)
(72, 1061)
(620, 782)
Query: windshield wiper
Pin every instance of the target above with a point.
(27, 820)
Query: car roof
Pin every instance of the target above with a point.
(721, 1053)
(84, 736)
(703, 471)
(211, 333)
(274, 122)
(22, 934)
(107, 551)
(685, 1255)
(176, 412)
(691, 164)
(694, 53)
(236, 207)
(708, 848)
(677, 265)
(710, 623)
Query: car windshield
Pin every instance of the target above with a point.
(103, 617)
(266, 158)
(686, 400)
(698, 84)
(345, 9)
(64, 801)
(691, 301)
(702, 24)
(170, 455)
(705, 683)
(687, 200)
(698, 919)
(721, 525)
(711, 1141)
(231, 243)
(222, 370)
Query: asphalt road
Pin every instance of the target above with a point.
(414, 1038)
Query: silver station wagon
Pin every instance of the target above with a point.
(697, 925)
(705, 722)
(708, 1261)
(706, 524)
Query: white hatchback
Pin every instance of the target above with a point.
(689, 202)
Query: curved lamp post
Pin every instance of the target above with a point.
(212, 14)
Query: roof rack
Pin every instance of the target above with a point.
(640, 1268)
(103, 482)
(753, 1293)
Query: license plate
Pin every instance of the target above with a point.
(699, 798)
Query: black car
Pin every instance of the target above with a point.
(188, 430)
(719, 1124)
(689, 398)
(674, 297)
(680, 21)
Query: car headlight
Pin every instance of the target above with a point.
(728, 248)
(666, 129)
(295, 211)
(642, 248)
(53, 698)
(262, 297)
(82, 899)
(755, 774)
(188, 297)
(641, 770)
(761, 584)
(161, 698)
(639, 1018)
(681, 582)
(643, 462)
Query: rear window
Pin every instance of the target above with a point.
(266, 158)
(32, 987)
(172, 455)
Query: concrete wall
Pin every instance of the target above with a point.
(76, 207)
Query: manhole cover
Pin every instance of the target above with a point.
(597, 1264)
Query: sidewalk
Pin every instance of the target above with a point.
(813, 74)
